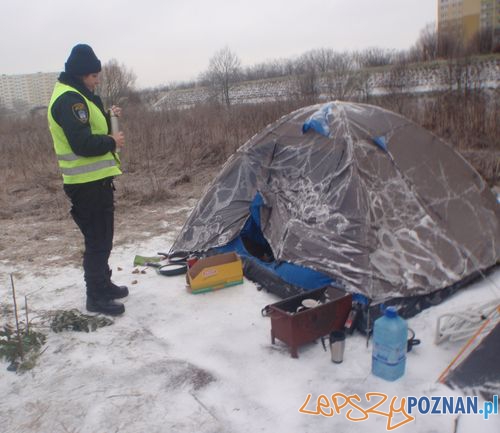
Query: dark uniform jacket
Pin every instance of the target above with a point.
(75, 124)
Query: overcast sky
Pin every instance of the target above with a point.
(172, 40)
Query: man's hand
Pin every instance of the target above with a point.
(119, 138)
(117, 111)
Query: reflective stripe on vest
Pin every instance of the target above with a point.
(88, 168)
(68, 157)
(75, 168)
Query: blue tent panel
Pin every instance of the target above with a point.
(296, 275)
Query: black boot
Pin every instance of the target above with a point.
(104, 306)
(114, 291)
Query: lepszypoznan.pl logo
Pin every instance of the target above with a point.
(397, 413)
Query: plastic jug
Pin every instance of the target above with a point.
(390, 341)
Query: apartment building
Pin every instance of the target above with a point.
(23, 92)
(490, 18)
(461, 20)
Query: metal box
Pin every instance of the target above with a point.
(295, 325)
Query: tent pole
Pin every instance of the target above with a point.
(367, 325)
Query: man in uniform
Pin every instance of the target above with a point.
(87, 156)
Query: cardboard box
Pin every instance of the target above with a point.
(215, 272)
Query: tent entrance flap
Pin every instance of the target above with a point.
(261, 265)
(251, 235)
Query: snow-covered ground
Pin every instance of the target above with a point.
(177, 362)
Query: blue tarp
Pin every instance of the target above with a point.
(381, 142)
(319, 121)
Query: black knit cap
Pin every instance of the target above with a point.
(82, 61)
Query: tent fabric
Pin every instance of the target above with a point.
(257, 255)
(372, 200)
(476, 368)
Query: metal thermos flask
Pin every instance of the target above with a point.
(337, 346)
(115, 127)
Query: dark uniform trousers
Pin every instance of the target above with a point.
(93, 211)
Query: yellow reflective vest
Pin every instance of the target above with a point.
(75, 168)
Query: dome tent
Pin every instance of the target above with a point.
(351, 195)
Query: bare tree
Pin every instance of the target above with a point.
(396, 82)
(462, 75)
(342, 77)
(307, 77)
(116, 82)
(450, 45)
(223, 71)
(372, 57)
(269, 69)
(365, 84)
(427, 43)
(323, 58)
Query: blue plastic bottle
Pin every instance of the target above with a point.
(390, 341)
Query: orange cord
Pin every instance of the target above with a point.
(445, 372)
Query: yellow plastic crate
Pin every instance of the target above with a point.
(215, 272)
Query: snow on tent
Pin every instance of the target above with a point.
(350, 195)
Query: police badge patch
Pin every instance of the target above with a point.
(80, 112)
